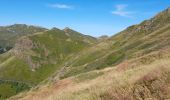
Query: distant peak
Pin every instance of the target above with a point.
(54, 28)
(67, 29)
(15, 25)
(103, 37)
(168, 9)
(24, 26)
(20, 24)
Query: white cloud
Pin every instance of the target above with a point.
(121, 10)
(60, 6)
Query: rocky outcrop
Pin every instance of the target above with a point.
(23, 50)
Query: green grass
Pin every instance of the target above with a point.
(10, 88)
(4, 57)
(87, 58)
(50, 51)
(114, 58)
(6, 91)
(94, 61)
(56, 44)
(138, 45)
(58, 48)
(9, 38)
(18, 70)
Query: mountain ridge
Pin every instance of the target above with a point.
(37, 56)
(56, 57)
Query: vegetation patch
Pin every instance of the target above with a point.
(115, 58)
(10, 88)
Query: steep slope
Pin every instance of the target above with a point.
(9, 34)
(58, 54)
(139, 59)
(129, 80)
(36, 57)
(75, 34)
(135, 41)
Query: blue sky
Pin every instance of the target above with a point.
(92, 17)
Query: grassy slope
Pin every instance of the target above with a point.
(124, 81)
(135, 41)
(10, 88)
(9, 34)
(52, 48)
(109, 55)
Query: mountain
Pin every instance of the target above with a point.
(9, 34)
(67, 65)
(131, 65)
(135, 41)
(37, 56)
(75, 34)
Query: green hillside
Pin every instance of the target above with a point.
(9, 34)
(56, 54)
(133, 42)
(138, 61)
(37, 56)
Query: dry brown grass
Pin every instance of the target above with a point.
(142, 82)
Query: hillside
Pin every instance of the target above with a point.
(133, 42)
(138, 61)
(10, 34)
(37, 56)
(128, 81)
